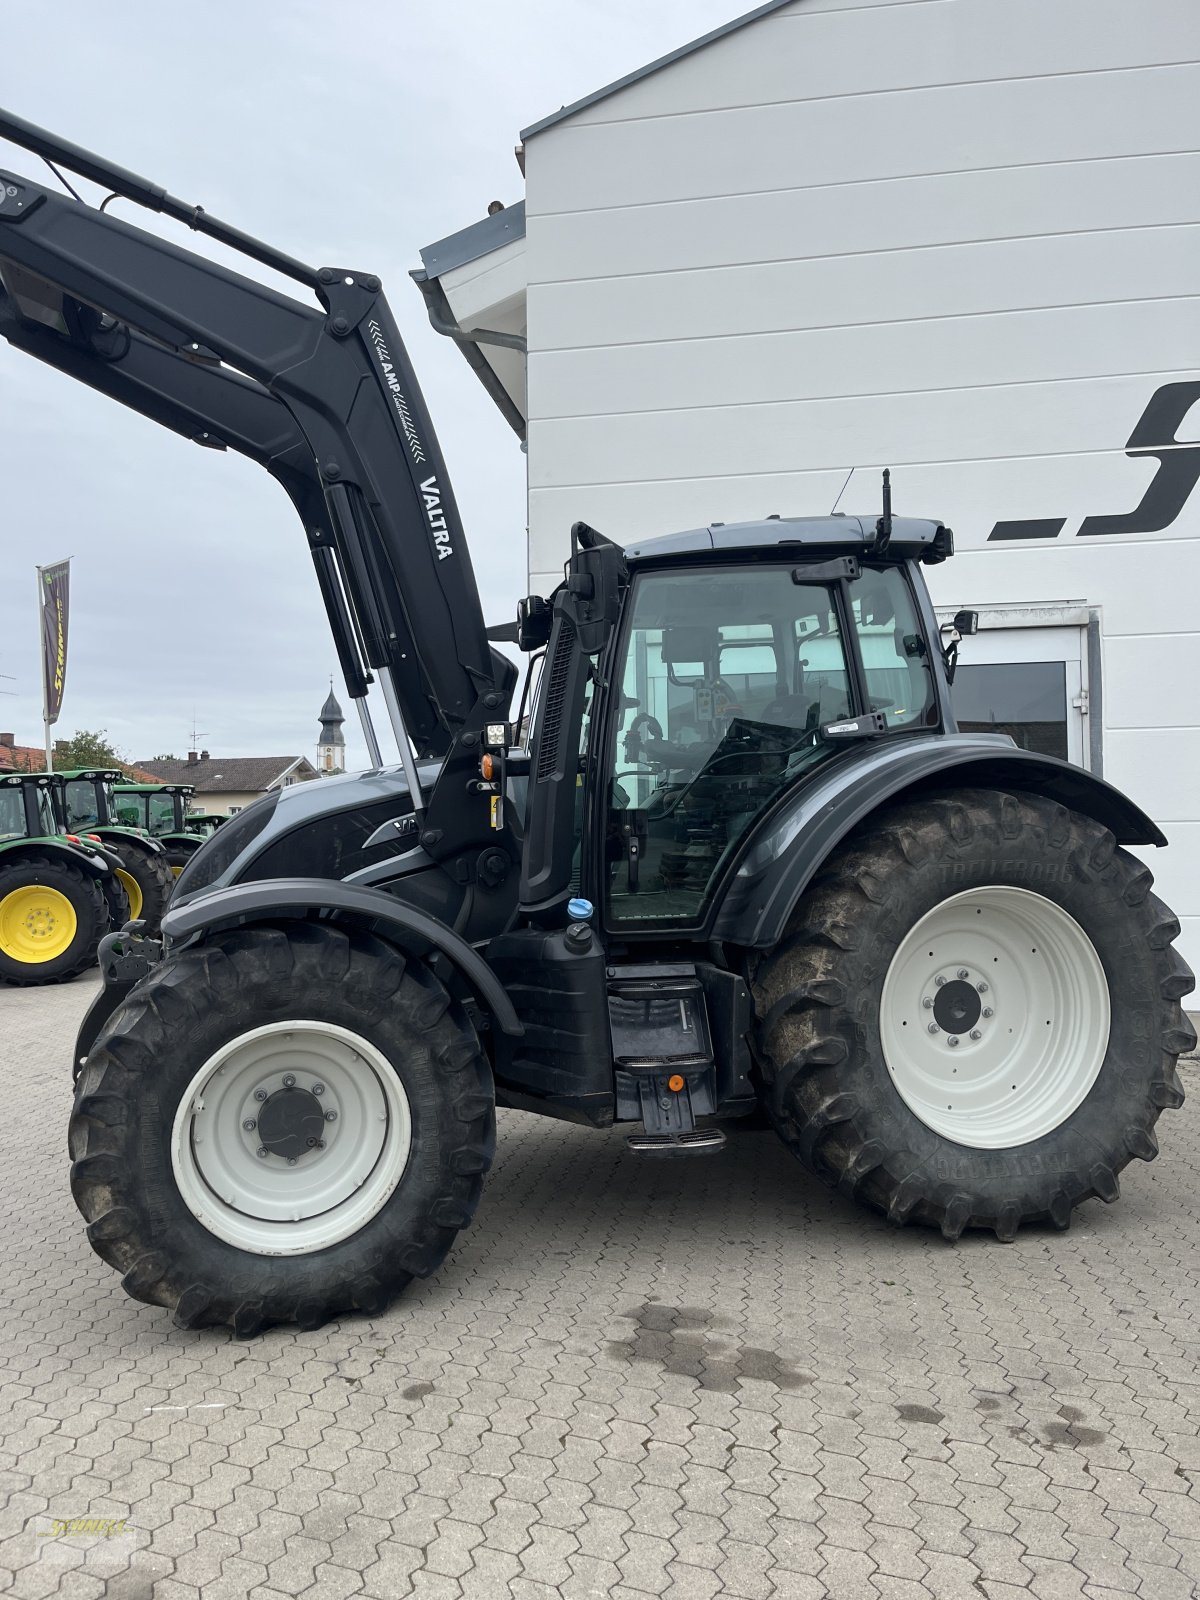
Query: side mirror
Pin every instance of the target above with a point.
(965, 623)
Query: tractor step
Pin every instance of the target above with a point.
(695, 1142)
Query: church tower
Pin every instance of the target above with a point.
(331, 746)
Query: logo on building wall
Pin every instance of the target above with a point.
(1168, 490)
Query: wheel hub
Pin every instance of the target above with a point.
(291, 1123)
(957, 1006)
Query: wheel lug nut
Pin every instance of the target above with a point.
(318, 1088)
(939, 980)
(963, 973)
(952, 1040)
(331, 1116)
(249, 1124)
(982, 987)
(262, 1150)
(933, 1028)
(320, 1143)
(289, 1080)
(311, 1143)
(988, 1012)
(975, 1033)
(927, 1003)
(260, 1095)
(291, 1161)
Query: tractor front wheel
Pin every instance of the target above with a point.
(51, 918)
(146, 879)
(976, 1017)
(282, 1124)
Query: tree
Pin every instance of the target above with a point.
(87, 748)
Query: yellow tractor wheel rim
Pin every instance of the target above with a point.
(37, 924)
(133, 889)
(176, 871)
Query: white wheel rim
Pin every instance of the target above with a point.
(1018, 1069)
(350, 1099)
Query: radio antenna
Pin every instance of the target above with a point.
(841, 492)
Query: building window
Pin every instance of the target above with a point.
(233, 810)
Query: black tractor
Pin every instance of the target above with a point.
(744, 866)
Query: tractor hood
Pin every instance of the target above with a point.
(325, 828)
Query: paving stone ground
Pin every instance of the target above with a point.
(630, 1379)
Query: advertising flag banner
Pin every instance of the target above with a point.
(54, 585)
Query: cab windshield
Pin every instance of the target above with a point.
(12, 813)
(81, 804)
(727, 679)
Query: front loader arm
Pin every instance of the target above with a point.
(214, 407)
(361, 435)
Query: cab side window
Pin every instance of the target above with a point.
(894, 652)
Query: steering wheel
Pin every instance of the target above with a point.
(634, 737)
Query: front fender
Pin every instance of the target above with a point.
(791, 844)
(263, 898)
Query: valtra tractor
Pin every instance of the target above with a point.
(746, 864)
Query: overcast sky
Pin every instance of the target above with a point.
(350, 135)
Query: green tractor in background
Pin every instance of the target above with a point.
(205, 823)
(86, 804)
(58, 893)
(161, 810)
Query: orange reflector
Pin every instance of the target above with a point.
(487, 767)
(72, 838)
(675, 1083)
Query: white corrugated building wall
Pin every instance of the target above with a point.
(958, 238)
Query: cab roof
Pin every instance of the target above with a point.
(156, 788)
(913, 537)
(108, 774)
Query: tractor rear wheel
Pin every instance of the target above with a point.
(51, 918)
(282, 1124)
(146, 879)
(179, 854)
(116, 899)
(975, 1019)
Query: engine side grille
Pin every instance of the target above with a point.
(548, 761)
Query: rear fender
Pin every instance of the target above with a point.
(791, 845)
(259, 901)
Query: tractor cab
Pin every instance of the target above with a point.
(160, 810)
(204, 823)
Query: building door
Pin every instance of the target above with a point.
(1025, 673)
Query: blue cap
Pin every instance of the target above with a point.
(580, 910)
